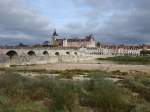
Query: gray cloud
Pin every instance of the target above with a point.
(118, 21)
(19, 22)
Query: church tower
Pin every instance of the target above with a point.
(55, 36)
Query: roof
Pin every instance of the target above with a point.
(76, 39)
(55, 33)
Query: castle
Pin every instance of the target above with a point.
(87, 42)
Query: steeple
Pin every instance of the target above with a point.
(55, 33)
(55, 36)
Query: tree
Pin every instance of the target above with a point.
(98, 44)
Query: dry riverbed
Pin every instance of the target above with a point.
(104, 67)
(84, 84)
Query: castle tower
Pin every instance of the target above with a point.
(91, 40)
(65, 42)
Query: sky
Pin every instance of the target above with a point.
(111, 21)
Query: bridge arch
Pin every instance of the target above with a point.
(45, 53)
(12, 54)
(57, 54)
(31, 53)
(67, 53)
(75, 53)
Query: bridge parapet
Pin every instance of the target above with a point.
(20, 56)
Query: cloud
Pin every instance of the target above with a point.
(113, 21)
(17, 21)
(122, 21)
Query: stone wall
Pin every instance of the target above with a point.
(26, 60)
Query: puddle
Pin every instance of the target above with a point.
(81, 78)
(113, 79)
(36, 74)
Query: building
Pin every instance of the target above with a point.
(87, 42)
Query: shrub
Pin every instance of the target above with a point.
(129, 59)
(104, 96)
(45, 94)
(139, 87)
(63, 95)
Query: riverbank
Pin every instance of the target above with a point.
(87, 84)
(87, 66)
(73, 90)
(128, 59)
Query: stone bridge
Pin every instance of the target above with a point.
(25, 56)
(39, 52)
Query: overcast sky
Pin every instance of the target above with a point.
(111, 21)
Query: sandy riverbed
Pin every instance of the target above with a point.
(90, 66)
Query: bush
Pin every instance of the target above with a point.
(45, 94)
(104, 96)
(20, 90)
(139, 86)
(129, 59)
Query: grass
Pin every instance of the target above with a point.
(63, 74)
(140, 86)
(44, 94)
(18, 90)
(105, 96)
(129, 59)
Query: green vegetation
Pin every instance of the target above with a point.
(105, 96)
(44, 94)
(129, 59)
(64, 74)
(145, 52)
